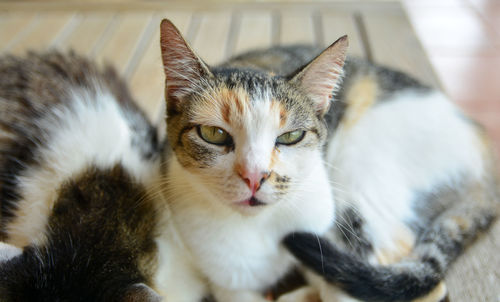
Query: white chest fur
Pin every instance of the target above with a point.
(243, 252)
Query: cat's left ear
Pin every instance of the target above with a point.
(184, 70)
(140, 292)
(321, 77)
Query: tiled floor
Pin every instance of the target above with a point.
(462, 41)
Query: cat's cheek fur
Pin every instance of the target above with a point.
(220, 181)
(193, 153)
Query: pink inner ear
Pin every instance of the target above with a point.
(320, 79)
(182, 67)
(321, 83)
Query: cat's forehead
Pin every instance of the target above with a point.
(254, 82)
(245, 98)
(222, 105)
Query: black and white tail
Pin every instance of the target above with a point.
(407, 280)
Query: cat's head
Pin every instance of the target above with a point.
(248, 138)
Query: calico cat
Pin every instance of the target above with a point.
(247, 165)
(406, 176)
(77, 158)
(441, 170)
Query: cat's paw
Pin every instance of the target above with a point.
(401, 247)
(438, 294)
(303, 294)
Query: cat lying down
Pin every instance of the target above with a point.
(367, 181)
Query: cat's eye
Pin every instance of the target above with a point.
(291, 137)
(214, 135)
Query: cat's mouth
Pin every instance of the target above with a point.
(251, 202)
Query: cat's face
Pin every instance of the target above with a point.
(249, 139)
(249, 144)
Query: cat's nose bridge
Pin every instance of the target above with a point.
(252, 166)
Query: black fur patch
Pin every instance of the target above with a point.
(100, 243)
(358, 278)
(350, 228)
(291, 281)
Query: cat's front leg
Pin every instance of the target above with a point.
(222, 294)
(399, 245)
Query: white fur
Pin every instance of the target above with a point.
(239, 252)
(399, 148)
(8, 252)
(90, 130)
(176, 278)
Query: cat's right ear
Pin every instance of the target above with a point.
(184, 70)
(140, 292)
(322, 76)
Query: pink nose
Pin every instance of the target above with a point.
(253, 179)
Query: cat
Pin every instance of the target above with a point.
(401, 170)
(77, 156)
(444, 216)
(247, 155)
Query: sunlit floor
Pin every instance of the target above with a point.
(462, 41)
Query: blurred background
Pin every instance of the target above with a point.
(451, 44)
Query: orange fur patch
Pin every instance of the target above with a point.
(226, 112)
(360, 97)
(23, 220)
(274, 158)
(462, 223)
(283, 116)
(223, 104)
(233, 103)
(404, 241)
(238, 168)
(237, 99)
(277, 106)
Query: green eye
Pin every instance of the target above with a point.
(291, 137)
(214, 135)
